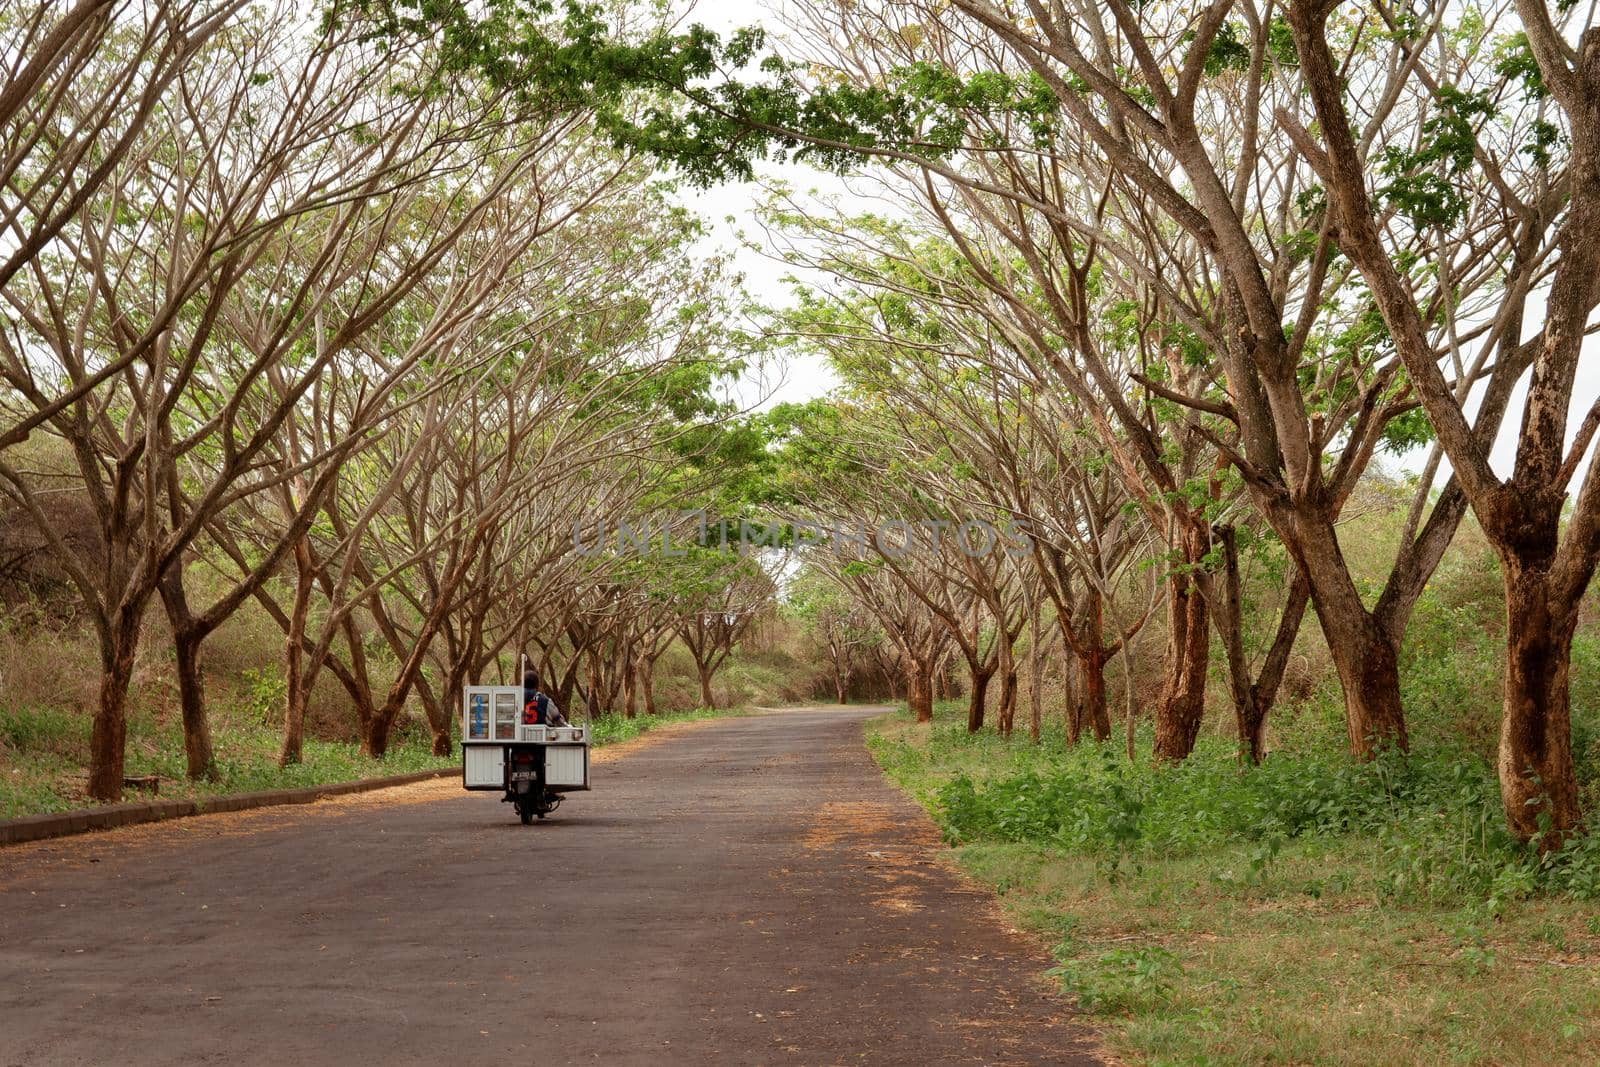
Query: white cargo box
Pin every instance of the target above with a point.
(552, 735)
(566, 766)
(484, 766)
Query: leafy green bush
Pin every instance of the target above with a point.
(264, 692)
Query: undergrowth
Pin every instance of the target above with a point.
(1434, 817)
(1311, 910)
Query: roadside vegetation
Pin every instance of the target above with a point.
(1307, 911)
(1314, 908)
(45, 675)
(48, 679)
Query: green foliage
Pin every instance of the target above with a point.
(264, 692)
(1283, 917)
(34, 728)
(247, 761)
(1406, 431)
(1434, 816)
(1228, 50)
(1543, 138)
(1280, 42)
(1121, 981)
(1514, 60)
(1419, 182)
(709, 107)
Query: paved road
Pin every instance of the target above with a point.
(742, 891)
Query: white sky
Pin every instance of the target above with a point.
(728, 208)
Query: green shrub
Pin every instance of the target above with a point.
(1122, 981)
(264, 691)
(30, 729)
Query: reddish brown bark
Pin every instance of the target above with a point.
(1538, 785)
(1008, 701)
(1183, 696)
(647, 675)
(108, 736)
(1092, 709)
(708, 699)
(980, 675)
(188, 637)
(297, 682)
(919, 691)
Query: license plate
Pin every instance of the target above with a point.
(523, 776)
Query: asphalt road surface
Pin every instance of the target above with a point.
(739, 891)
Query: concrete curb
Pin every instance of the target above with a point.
(109, 816)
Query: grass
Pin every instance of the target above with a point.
(43, 755)
(1209, 916)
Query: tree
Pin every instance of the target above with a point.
(720, 596)
(1522, 137)
(837, 622)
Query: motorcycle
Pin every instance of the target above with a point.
(525, 785)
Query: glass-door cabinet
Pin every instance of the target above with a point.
(491, 713)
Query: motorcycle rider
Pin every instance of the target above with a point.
(538, 709)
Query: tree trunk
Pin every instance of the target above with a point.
(1074, 719)
(647, 672)
(1086, 701)
(592, 669)
(1072, 699)
(1365, 656)
(1183, 697)
(297, 679)
(375, 733)
(197, 747)
(568, 684)
(1368, 665)
(108, 737)
(1093, 708)
(707, 698)
(1008, 701)
(839, 657)
(1253, 699)
(437, 713)
(977, 699)
(630, 687)
(1537, 783)
(187, 639)
(443, 746)
(919, 690)
(1035, 679)
(294, 725)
